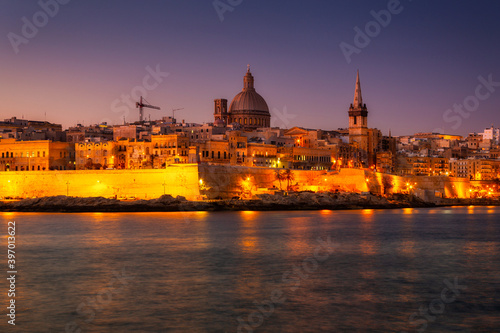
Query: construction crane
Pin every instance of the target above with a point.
(141, 105)
(173, 113)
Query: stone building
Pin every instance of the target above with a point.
(475, 169)
(169, 149)
(303, 138)
(96, 155)
(422, 166)
(93, 133)
(37, 155)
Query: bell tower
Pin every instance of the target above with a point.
(358, 120)
(220, 110)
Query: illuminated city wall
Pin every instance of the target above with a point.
(227, 181)
(446, 187)
(143, 184)
(222, 181)
(354, 180)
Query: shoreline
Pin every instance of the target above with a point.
(292, 202)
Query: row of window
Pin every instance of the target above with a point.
(252, 121)
(96, 152)
(202, 137)
(31, 154)
(35, 168)
(224, 155)
(206, 153)
(171, 145)
(28, 154)
(325, 159)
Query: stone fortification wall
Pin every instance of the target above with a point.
(217, 181)
(143, 184)
(226, 181)
(449, 187)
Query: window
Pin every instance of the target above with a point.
(38, 155)
(355, 120)
(43, 153)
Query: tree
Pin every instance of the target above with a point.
(289, 176)
(89, 164)
(279, 175)
(387, 183)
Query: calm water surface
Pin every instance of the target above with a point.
(384, 271)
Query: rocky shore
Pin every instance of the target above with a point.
(265, 202)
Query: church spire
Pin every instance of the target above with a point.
(358, 100)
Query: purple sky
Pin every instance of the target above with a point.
(90, 53)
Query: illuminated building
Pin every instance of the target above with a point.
(423, 166)
(96, 155)
(302, 137)
(262, 155)
(169, 149)
(475, 169)
(37, 155)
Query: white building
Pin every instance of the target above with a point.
(492, 134)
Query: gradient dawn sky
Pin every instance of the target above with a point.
(416, 65)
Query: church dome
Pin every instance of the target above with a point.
(248, 108)
(248, 101)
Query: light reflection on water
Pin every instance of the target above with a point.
(200, 271)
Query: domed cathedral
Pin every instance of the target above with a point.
(248, 108)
